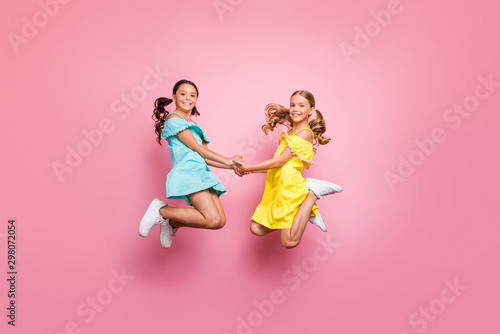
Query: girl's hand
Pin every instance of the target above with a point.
(238, 159)
(240, 165)
(231, 160)
(239, 172)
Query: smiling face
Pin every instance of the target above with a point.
(185, 98)
(300, 108)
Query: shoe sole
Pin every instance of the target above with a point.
(165, 243)
(321, 223)
(149, 213)
(336, 188)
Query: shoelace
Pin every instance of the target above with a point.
(174, 229)
(158, 222)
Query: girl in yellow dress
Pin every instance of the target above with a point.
(289, 200)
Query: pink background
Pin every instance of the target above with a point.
(395, 250)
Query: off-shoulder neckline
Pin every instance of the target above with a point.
(181, 117)
(285, 132)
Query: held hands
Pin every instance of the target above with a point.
(230, 161)
(240, 168)
(237, 165)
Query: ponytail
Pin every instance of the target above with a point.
(275, 114)
(195, 112)
(160, 116)
(160, 113)
(318, 126)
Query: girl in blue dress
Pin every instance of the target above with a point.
(190, 178)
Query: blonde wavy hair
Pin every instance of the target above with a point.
(277, 114)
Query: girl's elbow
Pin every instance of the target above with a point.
(198, 149)
(280, 163)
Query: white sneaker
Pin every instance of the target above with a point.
(318, 221)
(167, 232)
(151, 217)
(322, 188)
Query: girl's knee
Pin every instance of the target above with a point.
(290, 243)
(254, 229)
(222, 223)
(216, 222)
(258, 230)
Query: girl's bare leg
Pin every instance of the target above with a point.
(290, 237)
(260, 230)
(207, 212)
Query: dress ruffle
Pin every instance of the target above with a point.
(298, 150)
(175, 125)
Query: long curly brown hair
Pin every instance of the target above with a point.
(160, 113)
(277, 114)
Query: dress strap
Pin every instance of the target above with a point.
(304, 129)
(173, 112)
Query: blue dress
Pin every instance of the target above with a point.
(189, 172)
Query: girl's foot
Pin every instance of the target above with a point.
(151, 217)
(318, 221)
(322, 188)
(167, 232)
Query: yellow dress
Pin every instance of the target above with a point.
(285, 188)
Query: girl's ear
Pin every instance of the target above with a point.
(173, 97)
